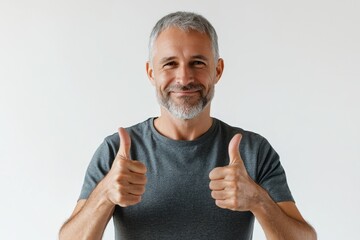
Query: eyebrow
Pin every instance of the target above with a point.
(167, 59)
(202, 57)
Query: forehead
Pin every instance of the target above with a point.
(177, 42)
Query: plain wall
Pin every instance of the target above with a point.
(72, 72)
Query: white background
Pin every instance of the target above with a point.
(71, 72)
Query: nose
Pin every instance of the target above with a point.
(184, 75)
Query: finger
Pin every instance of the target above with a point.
(136, 189)
(137, 167)
(129, 199)
(217, 185)
(222, 203)
(220, 195)
(136, 178)
(234, 152)
(125, 144)
(218, 173)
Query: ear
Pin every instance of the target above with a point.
(150, 72)
(219, 69)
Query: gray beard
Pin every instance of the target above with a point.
(185, 110)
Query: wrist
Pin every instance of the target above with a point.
(101, 194)
(262, 200)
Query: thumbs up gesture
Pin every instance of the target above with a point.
(232, 188)
(126, 179)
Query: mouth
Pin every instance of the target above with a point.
(186, 93)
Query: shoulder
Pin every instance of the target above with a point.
(136, 131)
(248, 137)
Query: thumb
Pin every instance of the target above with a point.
(234, 152)
(125, 143)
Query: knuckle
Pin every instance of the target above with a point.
(138, 190)
(122, 199)
(119, 167)
(236, 176)
(119, 188)
(122, 177)
(142, 179)
(135, 199)
(119, 161)
(233, 185)
(142, 190)
(138, 199)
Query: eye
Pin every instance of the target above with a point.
(198, 63)
(169, 64)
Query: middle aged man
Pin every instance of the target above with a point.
(204, 179)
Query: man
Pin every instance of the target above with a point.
(184, 174)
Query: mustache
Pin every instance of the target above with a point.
(188, 87)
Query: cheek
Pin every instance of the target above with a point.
(163, 79)
(167, 75)
(206, 78)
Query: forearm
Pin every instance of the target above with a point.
(278, 225)
(90, 221)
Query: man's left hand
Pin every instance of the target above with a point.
(232, 187)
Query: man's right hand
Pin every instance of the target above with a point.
(125, 182)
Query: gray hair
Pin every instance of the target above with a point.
(185, 21)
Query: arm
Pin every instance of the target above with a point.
(233, 189)
(282, 220)
(123, 185)
(89, 219)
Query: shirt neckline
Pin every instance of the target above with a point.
(208, 135)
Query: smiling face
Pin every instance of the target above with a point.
(183, 71)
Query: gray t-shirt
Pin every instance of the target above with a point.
(177, 203)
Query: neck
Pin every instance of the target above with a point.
(180, 129)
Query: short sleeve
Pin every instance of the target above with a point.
(271, 175)
(99, 166)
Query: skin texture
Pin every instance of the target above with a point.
(123, 186)
(233, 189)
(181, 59)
